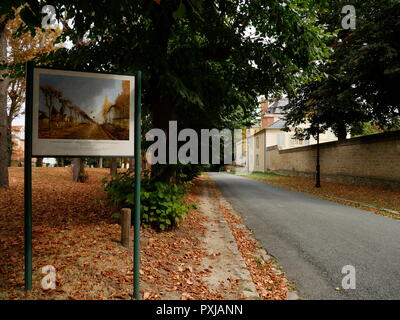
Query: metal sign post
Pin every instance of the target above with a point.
(138, 162)
(28, 177)
(29, 127)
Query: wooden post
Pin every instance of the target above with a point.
(126, 227)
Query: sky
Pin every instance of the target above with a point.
(86, 93)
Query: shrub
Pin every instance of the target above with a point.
(162, 204)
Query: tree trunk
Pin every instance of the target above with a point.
(3, 114)
(162, 114)
(100, 163)
(131, 165)
(113, 166)
(78, 170)
(162, 110)
(341, 132)
(9, 143)
(39, 162)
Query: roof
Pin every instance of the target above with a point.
(280, 124)
(276, 106)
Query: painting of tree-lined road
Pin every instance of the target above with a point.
(72, 107)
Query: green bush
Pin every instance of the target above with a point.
(162, 205)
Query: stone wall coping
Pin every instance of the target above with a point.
(380, 137)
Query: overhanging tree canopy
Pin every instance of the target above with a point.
(205, 63)
(362, 75)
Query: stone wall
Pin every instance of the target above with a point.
(370, 160)
(259, 151)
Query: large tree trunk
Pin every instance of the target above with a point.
(100, 163)
(3, 114)
(9, 143)
(162, 114)
(113, 166)
(78, 170)
(162, 110)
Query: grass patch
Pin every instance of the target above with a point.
(258, 174)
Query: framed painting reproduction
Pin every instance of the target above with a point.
(82, 114)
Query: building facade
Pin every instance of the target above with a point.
(271, 134)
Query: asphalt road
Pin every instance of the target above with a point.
(313, 239)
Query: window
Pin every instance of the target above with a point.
(257, 142)
(257, 160)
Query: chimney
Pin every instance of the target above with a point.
(266, 120)
(264, 106)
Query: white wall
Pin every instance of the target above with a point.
(285, 140)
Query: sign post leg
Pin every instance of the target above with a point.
(138, 160)
(28, 178)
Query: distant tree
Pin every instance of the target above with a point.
(92, 161)
(113, 166)
(15, 49)
(60, 162)
(39, 162)
(78, 170)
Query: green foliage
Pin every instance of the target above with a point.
(362, 76)
(200, 64)
(162, 204)
(364, 129)
(205, 62)
(116, 216)
(92, 162)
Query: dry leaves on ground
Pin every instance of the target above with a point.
(270, 285)
(73, 231)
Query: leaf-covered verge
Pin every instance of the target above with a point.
(270, 283)
(379, 198)
(73, 231)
